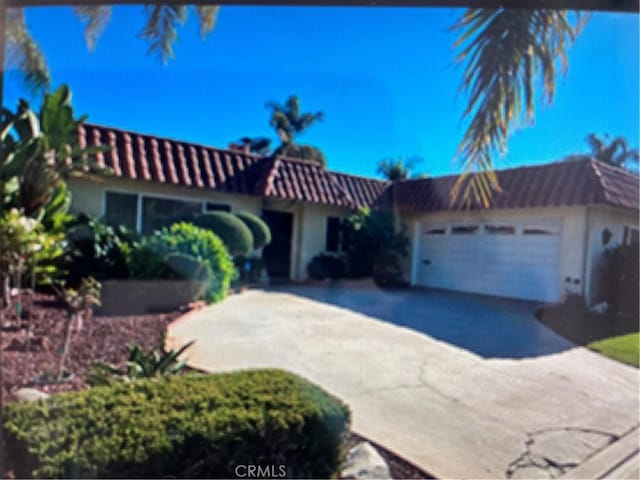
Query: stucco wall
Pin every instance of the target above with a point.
(573, 220)
(600, 218)
(88, 197)
(313, 233)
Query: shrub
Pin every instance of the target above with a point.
(181, 426)
(234, 233)
(387, 270)
(366, 235)
(163, 255)
(617, 279)
(259, 229)
(96, 250)
(326, 265)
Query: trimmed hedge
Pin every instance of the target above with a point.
(259, 229)
(185, 426)
(234, 233)
(154, 257)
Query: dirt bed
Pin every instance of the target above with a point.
(32, 345)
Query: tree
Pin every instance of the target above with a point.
(613, 152)
(160, 31)
(289, 122)
(258, 145)
(505, 54)
(398, 169)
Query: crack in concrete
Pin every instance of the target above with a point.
(551, 467)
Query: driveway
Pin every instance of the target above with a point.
(455, 413)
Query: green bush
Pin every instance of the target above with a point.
(155, 257)
(259, 229)
(189, 426)
(388, 271)
(96, 250)
(326, 265)
(366, 235)
(617, 279)
(234, 233)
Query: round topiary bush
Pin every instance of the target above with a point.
(259, 229)
(234, 233)
(156, 257)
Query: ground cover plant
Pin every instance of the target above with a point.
(181, 426)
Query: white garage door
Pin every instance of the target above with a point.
(517, 259)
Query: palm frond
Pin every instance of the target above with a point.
(96, 18)
(161, 28)
(24, 53)
(207, 14)
(506, 54)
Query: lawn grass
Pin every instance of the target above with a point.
(623, 348)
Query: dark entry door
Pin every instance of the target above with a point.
(277, 255)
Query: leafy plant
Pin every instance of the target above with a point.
(233, 231)
(388, 271)
(327, 265)
(259, 229)
(186, 426)
(140, 364)
(617, 279)
(40, 152)
(150, 258)
(367, 234)
(97, 249)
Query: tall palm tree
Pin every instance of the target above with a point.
(160, 31)
(505, 53)
(289, 122)
(613, 152)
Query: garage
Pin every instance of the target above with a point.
(518, 259)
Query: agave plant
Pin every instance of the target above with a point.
(140, 364)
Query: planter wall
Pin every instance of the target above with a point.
(137, 297)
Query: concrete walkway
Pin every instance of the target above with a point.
(450, 411)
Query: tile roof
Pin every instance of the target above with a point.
(578, 181)
(146, 157)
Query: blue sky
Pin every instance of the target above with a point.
(383, 77)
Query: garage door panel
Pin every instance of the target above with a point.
(509, 259)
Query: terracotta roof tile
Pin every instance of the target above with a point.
(579, 181)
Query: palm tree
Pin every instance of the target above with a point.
(506, 53)
(258, 145)
(398, 169)
(289, 122)
(613, 152)
(160, 31)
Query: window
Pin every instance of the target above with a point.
(464, 229)
(631, 236)
(435, 231)
(217, 207)
(121, 209)
(163, 212)
(500, 229)
(334, 234)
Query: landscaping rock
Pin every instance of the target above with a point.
(364, 461)
(30, 395)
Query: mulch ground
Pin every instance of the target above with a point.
(32, 347)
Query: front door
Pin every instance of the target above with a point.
(277, 255)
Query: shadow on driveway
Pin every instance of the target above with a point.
(487, 326)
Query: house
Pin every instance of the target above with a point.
(541, 237)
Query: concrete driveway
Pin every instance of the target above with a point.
(447, 409)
